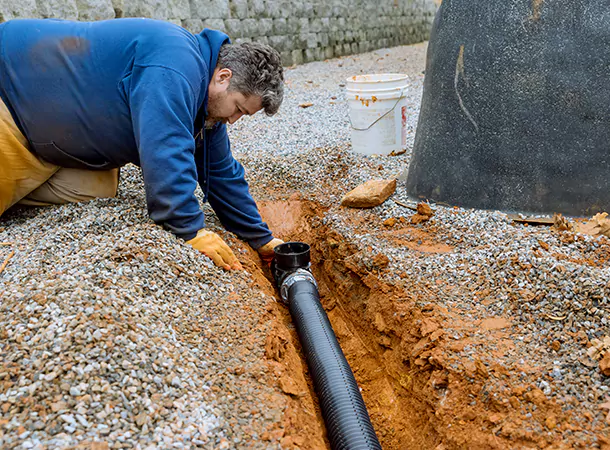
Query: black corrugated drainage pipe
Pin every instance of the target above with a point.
(347, 421)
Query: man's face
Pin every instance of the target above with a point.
(228, 106)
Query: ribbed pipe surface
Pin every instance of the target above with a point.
(347, 421)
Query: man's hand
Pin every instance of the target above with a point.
(212, 246)
(266, 251)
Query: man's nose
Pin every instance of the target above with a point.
(235, 117)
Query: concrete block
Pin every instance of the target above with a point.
(157, 9)
(323, 39)
(273, 9)
(315, 25)
(58, 9)
(280, 26)
(215, 24)
(242, 40)
(281, 43)
(329, 53)
(89, 10)
(333, 23)
(249, 27)
(119, 8)
(178, 9)
(294, 25)
(286, 58)
(297, 56)
(15, 10)
(209, 9)
(234, 28)
(301, 40)
(318, 54)
(312, 40)
(265, 27)
(261, 40)
(309, 55)
(304, 25)
(195, 26)
(308, 10)
(287, 10)
(256, 9)
(238, 9)
(324, 9)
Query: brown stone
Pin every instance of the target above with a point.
(423, 214)
(390, 222)
(551, 422)
(381, 261)
(536, 396)
(288, 386)
(514, 402)
(99, 446)
(370, 194)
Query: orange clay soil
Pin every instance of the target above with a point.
(418, 391)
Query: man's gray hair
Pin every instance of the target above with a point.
(257, 70)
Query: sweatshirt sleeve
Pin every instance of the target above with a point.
(229, 195)
(163, 105)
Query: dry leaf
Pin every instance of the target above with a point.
(598, 225)
(561, 223)
(599, 348)
(305, 105)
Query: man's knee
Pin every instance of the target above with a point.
(75, 185)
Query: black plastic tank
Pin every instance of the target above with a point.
(515, 113)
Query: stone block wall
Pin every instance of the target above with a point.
(301, 31)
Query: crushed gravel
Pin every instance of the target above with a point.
(113, 330)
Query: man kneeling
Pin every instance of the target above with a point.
(80, 100)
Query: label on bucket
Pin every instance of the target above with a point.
(404, 126)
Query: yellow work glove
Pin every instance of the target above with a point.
(266, 251)
(212, 246)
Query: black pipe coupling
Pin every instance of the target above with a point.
(292, 263)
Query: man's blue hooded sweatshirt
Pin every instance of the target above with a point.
(103, 94)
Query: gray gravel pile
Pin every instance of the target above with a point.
(498, 268)
(554, 291)
(113, 330)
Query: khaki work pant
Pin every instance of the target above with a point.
(28, 180)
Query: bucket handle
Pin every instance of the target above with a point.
(402, 95)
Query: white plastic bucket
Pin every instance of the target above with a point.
(378, 113)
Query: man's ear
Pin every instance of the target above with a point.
(223, 76)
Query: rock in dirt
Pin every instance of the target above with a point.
(423, 214)
(389, 223)
(370, 194)
(604, 364)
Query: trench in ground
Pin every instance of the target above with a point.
(370, 329)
